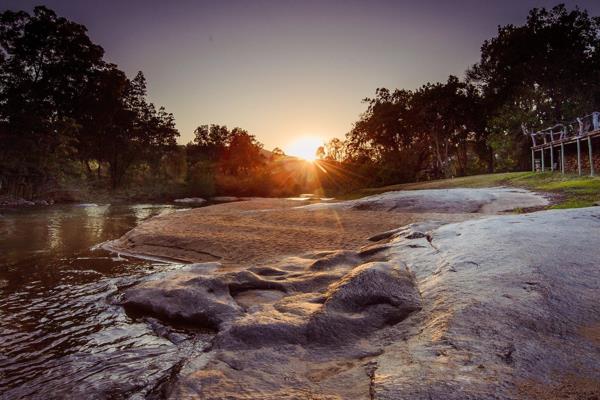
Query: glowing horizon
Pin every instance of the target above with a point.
(304, 147)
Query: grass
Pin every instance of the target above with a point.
(569, 191)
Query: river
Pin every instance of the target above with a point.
(62, 333)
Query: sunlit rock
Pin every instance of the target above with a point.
(459, 200)
(224, 199)
(190, 200)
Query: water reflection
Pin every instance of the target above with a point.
(61, 334)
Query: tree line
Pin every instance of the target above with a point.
(63, 107)
(538, 74)
(69, 117)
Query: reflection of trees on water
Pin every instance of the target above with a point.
(50, 233)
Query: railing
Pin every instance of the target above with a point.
(571, 130)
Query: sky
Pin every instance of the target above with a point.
(288, 71)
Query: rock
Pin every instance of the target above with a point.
(190, 200)
(190, 297)
(335, 259)
(504, 301)
(460, 200)
(482, 309)
(374, 283)
(368, 298)
(262, 329)
(21, 203)
(224, 199)
(387, 234)
(288, 345)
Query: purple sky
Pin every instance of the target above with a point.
(288, 69)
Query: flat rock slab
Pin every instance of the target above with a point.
(460, 200)
(265, 230)
(503, 307)
(509, 304)
(259, 230)
(190, 200)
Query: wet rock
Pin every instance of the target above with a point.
(189, 298)
(473, 310)
(252, 300)
(260, 329)
(387, 234)
(15, 202)
(412, 231)
(367, 298)
(224, 199)
(190, 200)
(416, 235)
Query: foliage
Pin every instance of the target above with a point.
(61, 102)
(413, 135)
(544, 72)
(67, 116)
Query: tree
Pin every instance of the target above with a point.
(243, 153)
(277, 154)
(46, 64)
(60, 101)
(211, 141)
(139, 132)
(448, 114)
(334, 150)
(541, 73)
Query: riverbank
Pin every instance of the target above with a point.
(565, 191)
(262, 230)
(461, 303)
(489, 308)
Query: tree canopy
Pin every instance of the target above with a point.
(61, 101)
(539, 74)
(65, 110)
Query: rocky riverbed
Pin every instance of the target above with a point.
(466, 305)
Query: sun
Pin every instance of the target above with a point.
(305, 147)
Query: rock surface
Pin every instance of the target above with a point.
(224, 199)
(504, 307)
(190, 200)
(505, 302)
(459, 200)
(258, 231)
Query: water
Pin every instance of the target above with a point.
(61, 333)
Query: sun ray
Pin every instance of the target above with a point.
(305, 147)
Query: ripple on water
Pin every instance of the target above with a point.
(61, 334)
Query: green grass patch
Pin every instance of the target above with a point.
(571, 191)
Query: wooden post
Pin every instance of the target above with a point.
(543, 167)
(591, 158)
(551, 158)
(562, 158)
(579, 156)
